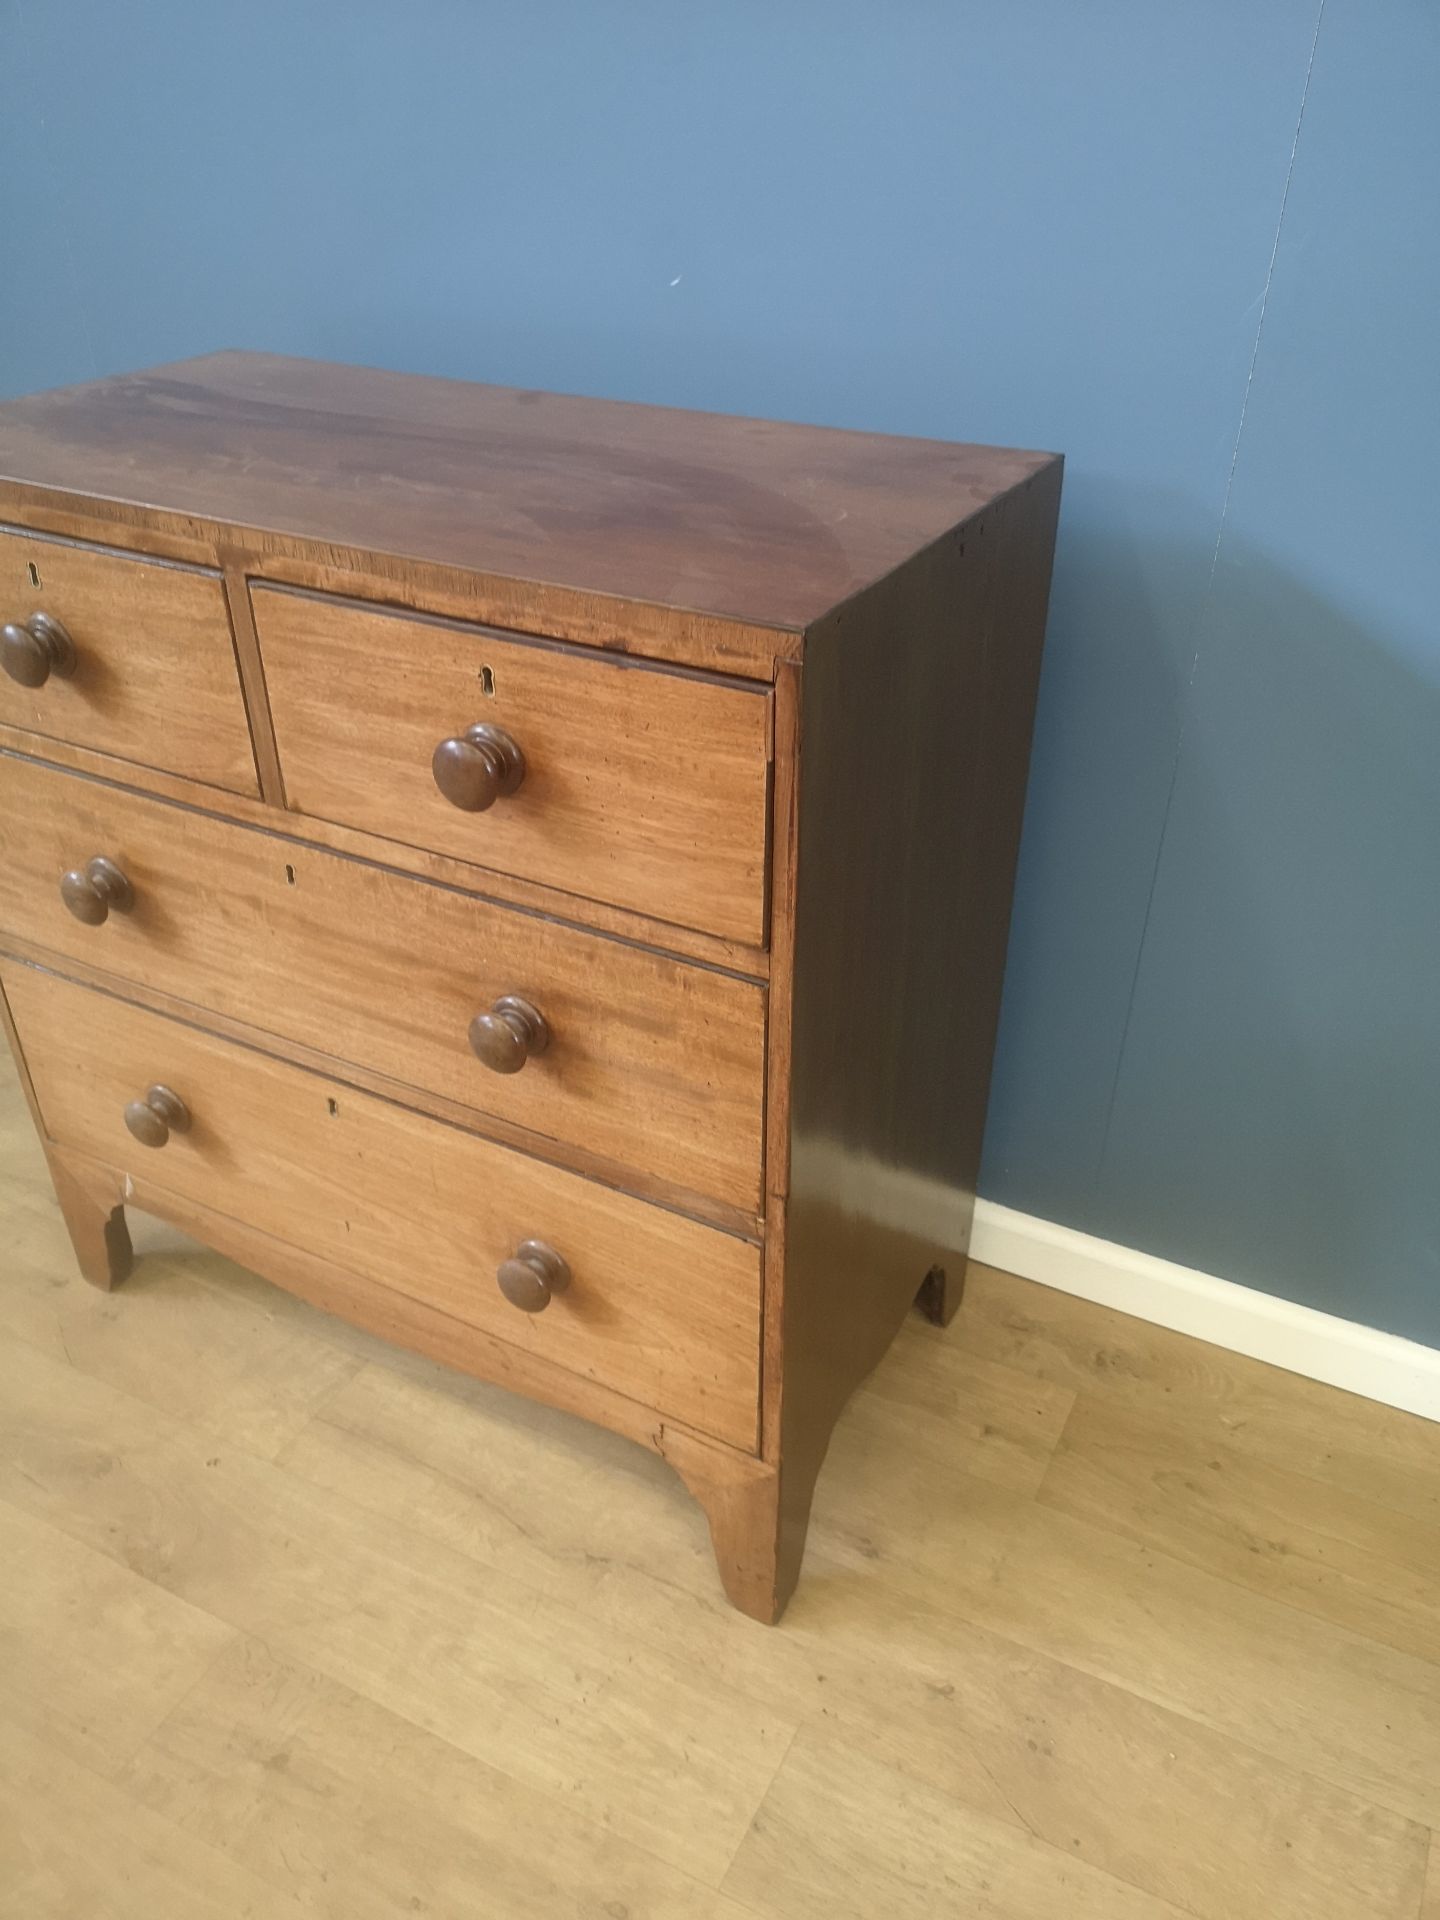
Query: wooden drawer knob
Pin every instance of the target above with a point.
(476, 768)
(533, 1276)
(92, 891)
(30, 654)
(504, 1038)
(154, 1118)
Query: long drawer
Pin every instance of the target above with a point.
(650, 1062)
(639, 786)
(646, 1302)
(145, 669)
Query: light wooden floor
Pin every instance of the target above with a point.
(1096, 1621)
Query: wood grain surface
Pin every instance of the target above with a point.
(646, 789)
(897, 873)
(744, 520)
(659, 1308)
(652, 1062)
(509, 889)
(155, 681)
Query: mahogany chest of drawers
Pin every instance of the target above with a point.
(528, 874)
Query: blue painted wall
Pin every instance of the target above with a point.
(1194, 246)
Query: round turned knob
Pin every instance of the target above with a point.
(30, 654)
(92, 891)
(504, 1038)
(154, 1118)
(476, 768)
(529, 1280)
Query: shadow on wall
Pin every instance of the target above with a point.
(1277, 1111)
(1132, 568)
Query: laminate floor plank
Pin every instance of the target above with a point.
(254, 1376)
(644, 1744)
(1005, 1730)
(1290, 1535)
(841, 1837)
(293, 1622)
(1357, 1446)
(318, 1790)
(75, 1847)
(997, 1422)
(1347, 1708)
(92, 1654)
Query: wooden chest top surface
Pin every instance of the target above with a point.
(746, 520)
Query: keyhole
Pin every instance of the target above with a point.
(34, 574)
(487, 683)
(289, 876)
(333, 1106)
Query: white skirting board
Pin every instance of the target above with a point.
(1362, 1360)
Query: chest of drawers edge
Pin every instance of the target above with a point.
(901, 732)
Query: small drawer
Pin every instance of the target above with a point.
(649, 1304)
(639, 786)
(125, 656)
(645, 1061)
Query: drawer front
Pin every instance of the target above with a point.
(154, 678)
(656, 1307)
(644, 788)
(651, 1062)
